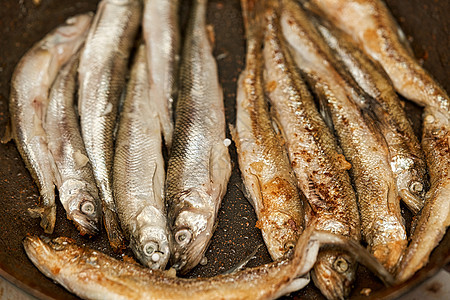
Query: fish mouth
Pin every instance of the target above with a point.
(334, 273)
(415, 200)
(85, 224)
(186, 259)
(152, 254)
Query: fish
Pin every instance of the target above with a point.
(75, 181)
(315, 156)
(139, 171)
(372, 26)
(406, 156)
(30, 86)
(102, 70)
(362, 143)
(163, 47)
(199, 165)
(434, 219)
(268, 178)
(90, 274)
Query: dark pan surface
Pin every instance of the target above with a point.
(22, 23)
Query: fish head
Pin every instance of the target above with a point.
(151, 246)
(42, 252)
(281, 232)
(192, 231)
(334, 273)
(84, 210)
(411, 181)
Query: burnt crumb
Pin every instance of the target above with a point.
(434, 287)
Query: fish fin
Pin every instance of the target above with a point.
(7, 136)
(314, 198)
(47, 215)
(210, 34)
(240, 265)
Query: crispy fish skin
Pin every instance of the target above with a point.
(75, 181)
(316, 159)
(434, 218)
(371, 24)
(139, 171)
(361, 142)
(199, 165)
(30, 85)
(163, 46)
(93, 275)
(263, 159)
(103, 65)
(406, 155)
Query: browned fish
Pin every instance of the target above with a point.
(91, 274)
(361, 142)
(315, 156)
(406, 156)
(263, 160)
(371, 24)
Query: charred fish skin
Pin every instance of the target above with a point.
(407, 158)
(163, 46)
(139, 171)
(434, 218)
(263, 159)
(371, 24)
(316, 159)
(361, 142)
(30, 85)
(199, 165)
(75, 181)
(102, 70)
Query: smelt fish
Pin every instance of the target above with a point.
(316, 159)
(75, 181)
(139, 172)
(103, 65)
(199, 165)
(263, 159)
(30, 85)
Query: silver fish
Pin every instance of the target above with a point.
(263, 159)
(371, 24)
(406, 155)
(139, 171)
(103, 65)
(30, 85)
(93, 275)
(316, 158)
(163, 46)
(75, 181)
(434, 218)
(199, 165)
(362, 143)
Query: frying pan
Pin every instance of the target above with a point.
(22, 23)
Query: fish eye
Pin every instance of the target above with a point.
(57, 246)
(150, 249)
(87, 208)
(183, 236)
(416, 187)
(289, 246)
(341, 265)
